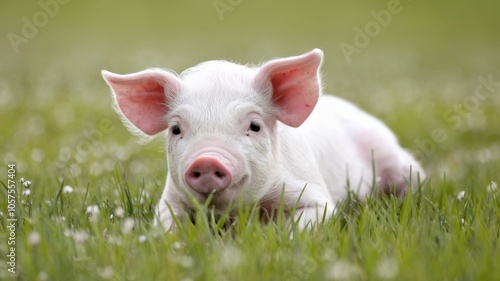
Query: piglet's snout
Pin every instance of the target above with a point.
(208, 173)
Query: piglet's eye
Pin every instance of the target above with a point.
(254, 126)
(176, 130)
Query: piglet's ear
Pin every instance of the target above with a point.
(142, 97)
(295, 83)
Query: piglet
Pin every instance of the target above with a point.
(245, 134)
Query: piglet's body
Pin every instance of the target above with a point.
(243, 134)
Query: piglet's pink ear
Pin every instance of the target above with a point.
(295, 84)
(142, 97)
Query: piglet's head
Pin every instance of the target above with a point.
(220, 120)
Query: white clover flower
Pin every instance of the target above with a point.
(33, 238)
(27, 184)
(343, 270)
(387, 268)
(128, 225)
(231, 257)
(142, 238)
(492, 186)
(105, 272)
(26, 192)
(67, 189)
(119, 212)
(177, 245)
(93, 213)
(42, 276)
(122, 153)
(93, 210)
(186, 261)
(460, 195)
(80, 236)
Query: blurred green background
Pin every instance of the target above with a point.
(56, 119)
(418, 72)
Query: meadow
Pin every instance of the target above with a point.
(78, 191)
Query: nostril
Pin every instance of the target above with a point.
(207, 174)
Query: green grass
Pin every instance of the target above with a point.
(58, 127)
(428, 235)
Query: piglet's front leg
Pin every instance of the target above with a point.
(312, 207)
(170, 206)
(309, 204)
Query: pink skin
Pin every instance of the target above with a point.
(208, 173)
(212, 169)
